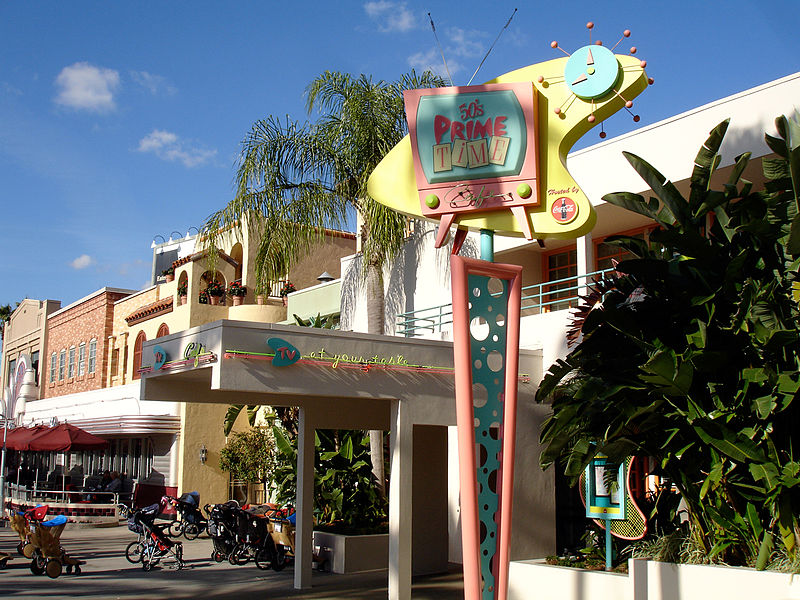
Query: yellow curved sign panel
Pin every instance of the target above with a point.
(494, 156)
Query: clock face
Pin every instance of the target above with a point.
(591, 72)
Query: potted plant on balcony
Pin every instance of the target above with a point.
(237, 292)
(215, 291)
(203, 297)
(288, 288)
(169, 274)
(183, 291)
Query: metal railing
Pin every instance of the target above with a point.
(21, 493)
(548, 296)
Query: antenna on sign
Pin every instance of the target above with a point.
(444, 60)
(492, 46)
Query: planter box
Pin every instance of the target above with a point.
(648, 580)
(353, 553)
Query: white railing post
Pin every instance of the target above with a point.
(585, 253)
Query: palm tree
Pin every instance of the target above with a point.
(296, 179)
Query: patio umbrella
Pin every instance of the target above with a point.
(18, 437)
(64, 437)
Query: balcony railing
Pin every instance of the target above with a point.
(548, 296)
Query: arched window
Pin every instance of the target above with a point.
(162, 330)
(137, 354)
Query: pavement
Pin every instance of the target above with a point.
(108, 575)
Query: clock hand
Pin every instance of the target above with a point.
(581, 77)
(589, 57)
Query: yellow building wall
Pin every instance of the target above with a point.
(201, 424)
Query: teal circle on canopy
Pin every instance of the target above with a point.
(591, 72)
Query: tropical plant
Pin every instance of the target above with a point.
(297, 179)
(693, 354)
(5, 316)
(344, 498)
(318, 322)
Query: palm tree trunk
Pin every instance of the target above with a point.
(375, 324)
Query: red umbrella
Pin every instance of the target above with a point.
(65, 437)
(17, 438)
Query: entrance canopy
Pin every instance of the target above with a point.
(348, 380)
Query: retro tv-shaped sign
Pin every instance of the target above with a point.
(475, 149)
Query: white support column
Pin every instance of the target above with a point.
(401, 437)
(585, 248)
(305, 501)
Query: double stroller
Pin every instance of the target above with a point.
(40, 541)
(153, 544)
(191, 521)
(240, 535)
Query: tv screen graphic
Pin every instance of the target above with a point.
(474, 149)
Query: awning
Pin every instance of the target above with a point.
(131, 425)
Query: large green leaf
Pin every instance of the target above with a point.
(663, 188)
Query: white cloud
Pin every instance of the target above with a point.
(432, 61)
(391, 16)
(153, 83)
(9, 90)
(83, 261)
(168, 146)
(466, 43)
(85, 87)
(459, 44)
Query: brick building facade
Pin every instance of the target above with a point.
(75, 358)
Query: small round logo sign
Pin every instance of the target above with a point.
(564, 210)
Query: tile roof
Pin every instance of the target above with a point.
(150, 310)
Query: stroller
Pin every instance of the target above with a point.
(40, 541)
(253, 540)
(155, 544)
(191, 521)
(240, 535)
(282, 525)
(222, 529)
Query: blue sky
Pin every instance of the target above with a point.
(121, 121)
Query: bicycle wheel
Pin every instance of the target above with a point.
(175, 528)
(134, 552)
(191, 531)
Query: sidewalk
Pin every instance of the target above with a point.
(107, 575)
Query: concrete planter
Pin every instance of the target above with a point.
(353, 553)
(648, 580)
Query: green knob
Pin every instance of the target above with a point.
(524, 190)
(432, 200)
